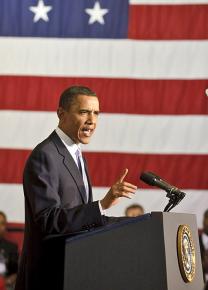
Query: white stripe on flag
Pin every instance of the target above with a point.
(195, 202)
(12, 202)
(152, 200)
(104, 58)
(114, 133)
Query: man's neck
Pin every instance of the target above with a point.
(62, 129)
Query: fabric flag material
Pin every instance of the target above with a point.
(147, 60)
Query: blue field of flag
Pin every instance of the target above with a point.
(64, 18)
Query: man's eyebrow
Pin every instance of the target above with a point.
(87, 110)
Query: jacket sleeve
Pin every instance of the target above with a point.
(41, 185)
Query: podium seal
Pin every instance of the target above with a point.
(186, 253)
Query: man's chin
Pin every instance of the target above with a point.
(85, 140)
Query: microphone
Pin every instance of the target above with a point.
(173, 193)
(154, 180)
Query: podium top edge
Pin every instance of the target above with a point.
(154, 213)
(127, 221)
(70, 237)
(109, 227)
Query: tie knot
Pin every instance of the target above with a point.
(78, 153)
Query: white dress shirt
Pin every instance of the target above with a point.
(69, 143)
(72, 148)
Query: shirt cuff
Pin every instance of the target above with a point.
(102, 211)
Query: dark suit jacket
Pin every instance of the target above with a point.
(10, 251)
(55, 204)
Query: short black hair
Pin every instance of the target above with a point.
(68, 96)
(3, 214)
(134, 206)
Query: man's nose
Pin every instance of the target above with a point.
(91, 119)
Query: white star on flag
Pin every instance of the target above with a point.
(96, 13)
(40, 11)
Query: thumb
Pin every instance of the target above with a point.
(123, 175)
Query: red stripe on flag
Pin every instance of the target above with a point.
(12, 162)
(168, 22)
(184, 171)
(129, 96)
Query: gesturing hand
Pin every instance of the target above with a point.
(119, 189)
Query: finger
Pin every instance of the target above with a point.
(127, 189)
(123, 175)
(130, 185)
(127, 195)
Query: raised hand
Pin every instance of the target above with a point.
(120, 189)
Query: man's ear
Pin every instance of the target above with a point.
(60, 113)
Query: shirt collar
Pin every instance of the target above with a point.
(68, 142)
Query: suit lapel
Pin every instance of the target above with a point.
(88, 179)
(69, 163)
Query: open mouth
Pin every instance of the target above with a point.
(87, 132)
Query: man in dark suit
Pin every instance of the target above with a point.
(58, 194)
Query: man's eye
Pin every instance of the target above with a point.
(83, 112)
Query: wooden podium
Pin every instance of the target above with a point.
(137, 254)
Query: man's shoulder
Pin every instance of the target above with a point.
(46, 146)
(46, 149)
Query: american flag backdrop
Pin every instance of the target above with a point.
(148, 62)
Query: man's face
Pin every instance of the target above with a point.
(79, 121)
(2, 225)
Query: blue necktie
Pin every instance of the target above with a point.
(77, 153)
(81, 167)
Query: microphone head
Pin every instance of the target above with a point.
(149, 177)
